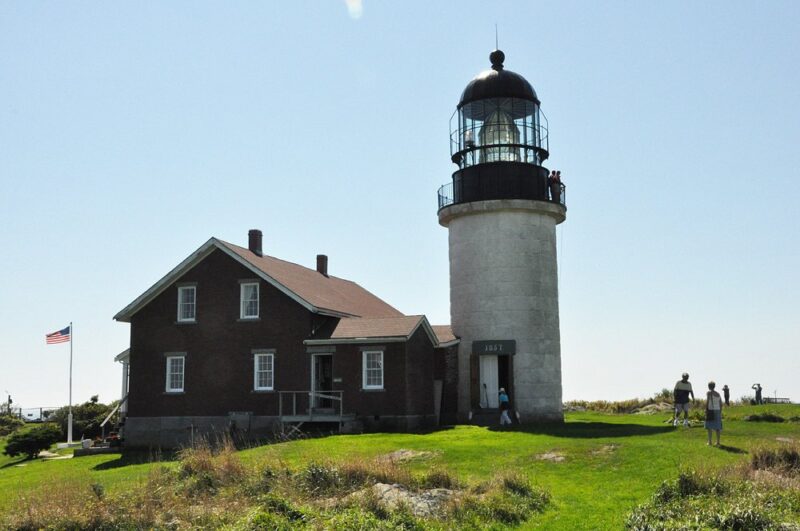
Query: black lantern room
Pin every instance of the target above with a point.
(498, 139)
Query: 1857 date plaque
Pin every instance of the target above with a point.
(499, 346)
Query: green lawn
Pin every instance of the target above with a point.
(611, 462)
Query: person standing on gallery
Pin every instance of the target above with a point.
(713, 412)
(727, 394)
(505, 407)
(681, 393)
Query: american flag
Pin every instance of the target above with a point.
(62, 336)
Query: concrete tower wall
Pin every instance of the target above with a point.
(504, 285)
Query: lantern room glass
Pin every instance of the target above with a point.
(497, 130)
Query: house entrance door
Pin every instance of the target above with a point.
(322, 380)
(490, 382)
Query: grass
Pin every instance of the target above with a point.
(611, 463)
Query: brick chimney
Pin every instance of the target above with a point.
(254, 242)
(322, 264)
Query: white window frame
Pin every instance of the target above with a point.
(271, 371)
(169, 373)
(193, 318)
(364, 382)
(242, 287)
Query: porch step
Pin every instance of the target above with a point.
(487, 417)
(318, 417)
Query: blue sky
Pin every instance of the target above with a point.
(131, 133)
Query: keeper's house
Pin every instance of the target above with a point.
(232, 339)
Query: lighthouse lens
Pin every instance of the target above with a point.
(500, 138)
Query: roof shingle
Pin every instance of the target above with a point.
(324, 292)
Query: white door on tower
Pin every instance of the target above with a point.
(489, 382)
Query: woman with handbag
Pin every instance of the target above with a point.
(713, 412)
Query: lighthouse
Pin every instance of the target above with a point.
(501, 212)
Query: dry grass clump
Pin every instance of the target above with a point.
(510, 499)
(210, 488)
(204, 468)
(729, 499)
(784, 460)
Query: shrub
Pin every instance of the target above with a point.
(261, 520)
(9, 424)
(86, 418)
(510, 500)
(439, 479)
(785, 459)
(702, 501)
(31, 441)
(320, 479)
(764, 417)
(204, 469)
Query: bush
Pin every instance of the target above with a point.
(712, 501)
(32, 440)
(320, 479)
(86, 418)
(9, 424)
(204, 469)
(785, 459)
(764, 417)
(439, 479)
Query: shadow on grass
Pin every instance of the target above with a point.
(18, 462)
(135, 458)
(731, 449)
(586, 430)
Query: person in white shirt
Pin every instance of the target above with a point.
(713, 412)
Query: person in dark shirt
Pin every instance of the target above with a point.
(757, 387)
(727, 394)
(681, 393)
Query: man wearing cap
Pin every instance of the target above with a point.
(682, 392)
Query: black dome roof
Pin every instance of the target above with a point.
(497, 83)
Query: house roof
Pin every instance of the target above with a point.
(383, 329)
(444, 335)
(123, 356)
(316, 292)
(323, 292)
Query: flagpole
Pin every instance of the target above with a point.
(69, 417)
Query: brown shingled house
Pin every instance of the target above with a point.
(231, 339)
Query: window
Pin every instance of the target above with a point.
(249, 306)
(263, 371)
(373, 369)
(175, 366)
(186, 304)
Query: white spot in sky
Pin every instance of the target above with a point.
(355, 8)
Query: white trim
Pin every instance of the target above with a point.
(450, 343)
(123, 356)
(364, 384)
(242, 287)
(193, 318)
(271, 371)
(167, 387)
(166, 281)
(423, 321)
(357, 340)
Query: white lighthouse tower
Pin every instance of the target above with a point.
(501, 213)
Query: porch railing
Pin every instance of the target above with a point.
(304, 404)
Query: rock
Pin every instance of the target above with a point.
(652, 409)
(556, 457)
(605, 449)
(425, 504)
(402, 455)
